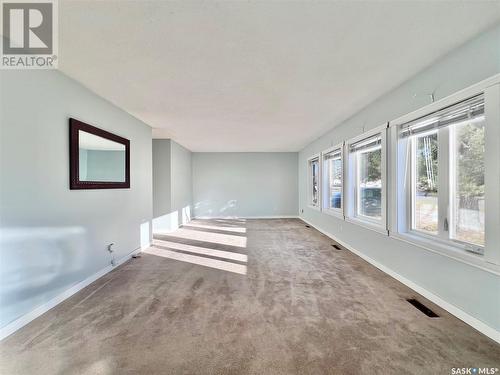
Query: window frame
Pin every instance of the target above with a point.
(352, 178)
(310, 160)
(400, 186)
(325, 176)
(445, 202)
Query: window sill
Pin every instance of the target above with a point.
(368, 225)
(338, 214)
(448, 250)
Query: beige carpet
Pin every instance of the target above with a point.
(245, 297)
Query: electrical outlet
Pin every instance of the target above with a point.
(110, 249)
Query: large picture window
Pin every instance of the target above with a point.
(367, 178)
(333, 180)
(314, 182)
(446, 178)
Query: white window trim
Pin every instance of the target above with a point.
(350, 182)
(309, 182)
(490, 261)
(337, 212)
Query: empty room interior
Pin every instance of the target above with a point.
(250, 187)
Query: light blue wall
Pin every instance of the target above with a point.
(245, 184)
(53, 237)
(82, 164)
(182, 183)
(172, 185)
(105, 165)
(469, 288)
(161, 178)
(101, 165)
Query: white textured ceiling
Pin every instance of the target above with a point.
(256, 76)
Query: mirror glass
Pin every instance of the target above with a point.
(100, 159)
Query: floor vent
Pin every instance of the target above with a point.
(423, 308)
(308, 226)
(337, 247)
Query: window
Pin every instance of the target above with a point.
(314, 181)
(367, 178)
(424, 183)
(467, 184)
(333, 180)
(446, 165)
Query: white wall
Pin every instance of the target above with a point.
(172, 185)
(53, 237)
(245, 184)
(471, 289)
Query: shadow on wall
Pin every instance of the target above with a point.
(36, 264)
(172, 221)
(209, 208)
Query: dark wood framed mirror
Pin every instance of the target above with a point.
(98, 159)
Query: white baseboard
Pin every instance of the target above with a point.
(247, 217)
(12, 327)
(452, 309)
